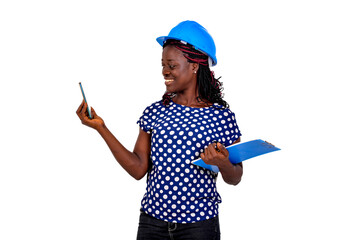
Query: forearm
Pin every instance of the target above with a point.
(231, 173)
(130, 161)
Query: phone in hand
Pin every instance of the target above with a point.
(88, 107)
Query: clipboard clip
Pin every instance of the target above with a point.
(270, 145)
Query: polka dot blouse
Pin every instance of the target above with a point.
(178, 191)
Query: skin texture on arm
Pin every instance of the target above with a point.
(217, 154)
(136, 163)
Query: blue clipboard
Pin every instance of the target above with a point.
(240, 152)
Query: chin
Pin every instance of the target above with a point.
(170, 89)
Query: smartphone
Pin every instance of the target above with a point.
(88, 108)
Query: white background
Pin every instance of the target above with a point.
(290, 71)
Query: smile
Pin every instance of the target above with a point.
(168, 81)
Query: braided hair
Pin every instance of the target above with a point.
(209, 88)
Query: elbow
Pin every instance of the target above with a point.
(234, 178)
(234, 182)
(139, 173)
(138, 176)
(137, 170)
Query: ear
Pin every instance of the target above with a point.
(195, 67)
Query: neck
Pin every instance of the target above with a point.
(178, 99)
(190, 100)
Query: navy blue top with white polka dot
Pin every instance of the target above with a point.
(178, 191)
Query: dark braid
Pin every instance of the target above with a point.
(210, 88)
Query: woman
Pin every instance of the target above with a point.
(192, 120)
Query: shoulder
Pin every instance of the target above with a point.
(225, 115)
(154, 109)
(222, 110)
(154, 106)
(149, 116)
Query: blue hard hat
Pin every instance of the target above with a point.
(193, 33)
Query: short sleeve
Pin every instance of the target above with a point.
(231, 131)
(147, 119)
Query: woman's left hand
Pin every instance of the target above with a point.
(215, 154)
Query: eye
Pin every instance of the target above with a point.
(170, 66)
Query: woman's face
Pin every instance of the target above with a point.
(178, 73)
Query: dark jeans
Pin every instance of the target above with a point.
(151, 228)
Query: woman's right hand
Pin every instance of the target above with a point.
(96, 122)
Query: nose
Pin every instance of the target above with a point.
(165, 71)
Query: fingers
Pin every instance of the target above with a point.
(82, 112)
(209, 153)
(95, 122)
(80, 108)
(85, 111)
(222, 149)
(213, 149)
(93, 113)
(214, 152)
(217, 147)
(205, 155)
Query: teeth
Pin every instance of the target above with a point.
(169, 80)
